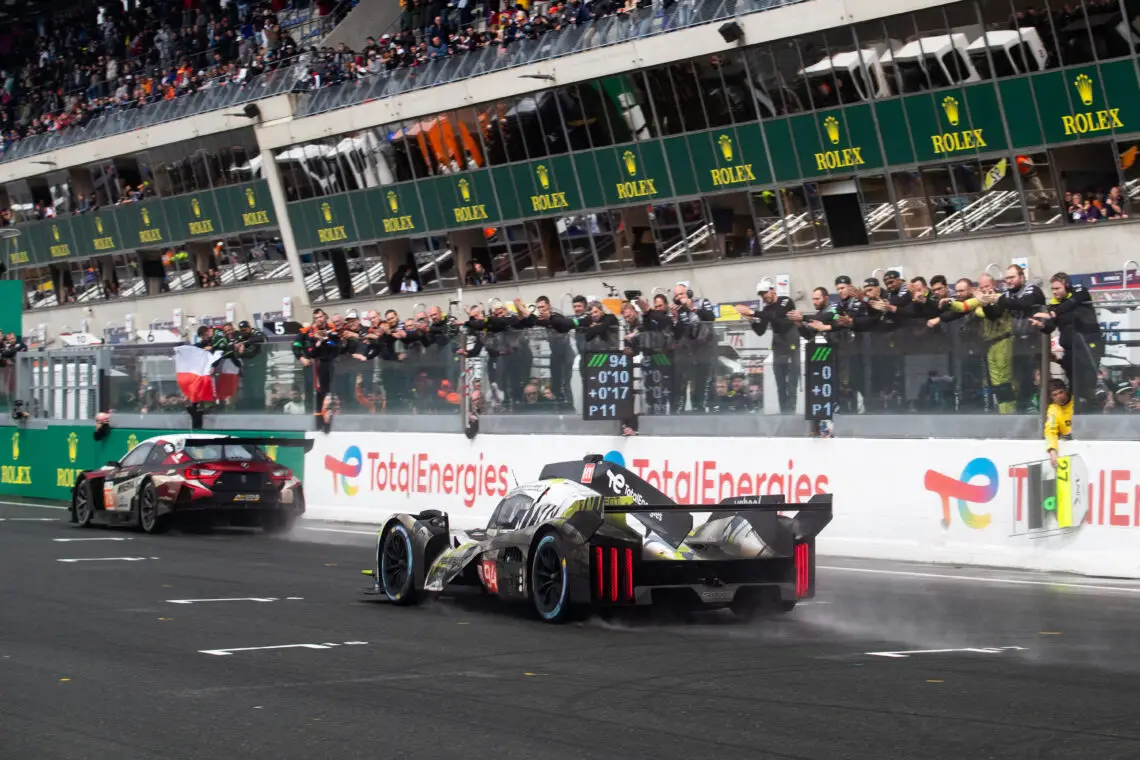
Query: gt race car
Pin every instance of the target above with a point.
(224, 478)
(591, 535)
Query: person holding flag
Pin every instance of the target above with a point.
(206, 375)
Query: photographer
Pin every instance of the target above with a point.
(775, 313)
(695, 349)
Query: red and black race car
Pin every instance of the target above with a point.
(227, 478)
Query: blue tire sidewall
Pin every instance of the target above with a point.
(545, 541)
(393, 595)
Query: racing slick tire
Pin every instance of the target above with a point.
(278, 523)
(550, 581)
(149, 519)
(396, 566)
(82, 508)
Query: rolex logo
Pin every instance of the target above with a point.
(145, 217)
(543, 176)
(55, 232)
(950, 106)
(99, 225)
(725, 143)
(326, 211)
(196, 207)
(250, 198)
(465, 190)
(630, 162)
(72, 446)
(831, 125)
(1084, 87)
(132, 441)
(15, 446)
(393, 202)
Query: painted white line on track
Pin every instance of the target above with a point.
(107, 559)
(109, 538)
(227, 652)
(982, 579)
(342, 530)
(980, 650)
(33, 506)
(28, 519)
(235, 599)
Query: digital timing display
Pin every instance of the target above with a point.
(821, 382)
(607, 382)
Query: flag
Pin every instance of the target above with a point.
(192, 366)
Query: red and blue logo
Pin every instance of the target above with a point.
(346, 471)
(965, 491)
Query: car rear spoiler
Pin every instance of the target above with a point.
(234, 440)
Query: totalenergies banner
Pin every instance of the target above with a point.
(43, 463)
(963, 501)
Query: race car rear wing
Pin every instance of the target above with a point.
(234, 440)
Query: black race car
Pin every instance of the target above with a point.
(590, 534)
(226, 478)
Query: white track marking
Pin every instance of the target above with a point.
(33, 506)
(342, 530)
(981, 579)
(69, 540)
(28, 519)
(234, 599)
(107, 559)
(982, 650)
(227, 652)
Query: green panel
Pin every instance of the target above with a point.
(52, 240)
(322, 222)
(633, 173)
(246, 207)
(465, 200)
(782, 149)
(363, 214)
(194, 215)
(590, 181)
(11, 306)
(681, 164)
(954, 123)
(893, 128)
(837, 142)
(97, 232)
(17, 251)
(44, 463)
(433, 208)
(730, 158)
(1017, 99)
(538, 188)
(1085, 102)
(144, 225)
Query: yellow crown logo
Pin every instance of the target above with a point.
(196, 207)
(145, 216)
(326, 211)
(393, 201)
(99, 225)
(1084, 87)
(725, 143)
(465, 190)
(271, 452)
(15, 446)
(831, 125)
(250, 198)
(543, 176)
(630, 162)
(950, 106)
(72, 446)
(132, 441)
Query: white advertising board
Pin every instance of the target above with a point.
(958, 501)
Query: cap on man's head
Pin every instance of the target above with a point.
(352, 314)
(870, 282)
(892, 275)
(842, 280)
(765, 285)
(244, 323)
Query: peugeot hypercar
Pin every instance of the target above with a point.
(228, 478)
(591, 535)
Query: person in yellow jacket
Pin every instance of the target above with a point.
(997, 332)
(1059, 418)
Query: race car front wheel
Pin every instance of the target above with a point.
(397, 568)
(549, 581)
(149, 518)
(84, 509)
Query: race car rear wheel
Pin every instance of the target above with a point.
(149, 518)
(397, 566)
(549, 581)
(84, 509)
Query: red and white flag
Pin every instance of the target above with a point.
(192, 365)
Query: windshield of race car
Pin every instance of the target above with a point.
(216, 453)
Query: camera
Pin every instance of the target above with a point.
(18, 412)
(632, 295)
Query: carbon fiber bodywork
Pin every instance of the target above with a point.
(621, 543)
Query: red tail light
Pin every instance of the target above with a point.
(803, 570)
(629, 574)
(601, 571)
(613, 574)
(203, 474)
(280, 473)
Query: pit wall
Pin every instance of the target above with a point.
(891, 501)
(43, 462)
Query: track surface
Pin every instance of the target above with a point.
(97, 660)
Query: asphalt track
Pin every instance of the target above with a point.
(99, 659)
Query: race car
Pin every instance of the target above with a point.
(225, 478)
(590, 535)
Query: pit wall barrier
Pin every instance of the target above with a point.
(974, 502)
(43, 462)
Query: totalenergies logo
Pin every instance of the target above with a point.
(966, 492)
(346, 471)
